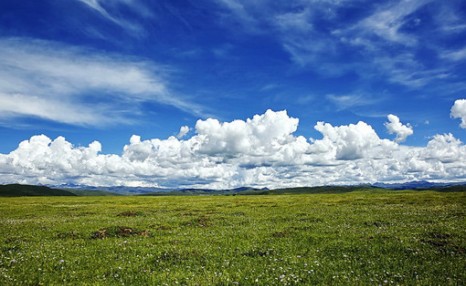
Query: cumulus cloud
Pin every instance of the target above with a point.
(445, 148)
(349, 142)
(263, 134)
(77, 86)
(394, 126)
(183, 131)
(262, 151)
(458, 110)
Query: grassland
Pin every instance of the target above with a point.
(356, 238)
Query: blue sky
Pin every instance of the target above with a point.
(83, 71)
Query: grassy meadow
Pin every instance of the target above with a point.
(356, 238)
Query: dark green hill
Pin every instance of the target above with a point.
(17, 190)
(88, 193)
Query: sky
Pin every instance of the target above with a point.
(229, 93)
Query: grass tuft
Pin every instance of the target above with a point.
(130, 214)
(118, 231)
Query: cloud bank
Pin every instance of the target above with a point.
(262, 151)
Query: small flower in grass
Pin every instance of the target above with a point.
(61, 261)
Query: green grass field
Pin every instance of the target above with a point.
(357, 238)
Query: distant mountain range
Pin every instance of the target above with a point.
(17, 190)
(14, 190)
(122, 190)
(417, 185)
(413, 185)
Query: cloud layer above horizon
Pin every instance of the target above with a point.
(262, 152)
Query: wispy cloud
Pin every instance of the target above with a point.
(455, 55)
(387, 22)
(391, 50)
(404, 69)
(239, 13)
(449, 19)
(454, 28)
(95, 4)
(58, 82)
(100, 7)
(54, 109)
(351, 100)
(384, 43)
(292, 24)
(297, 21)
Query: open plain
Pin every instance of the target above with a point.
(360, 238)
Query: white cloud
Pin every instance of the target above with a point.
(391, 40)
(183, 131)
(241, 14)
(100, 7)
(458, 110)
(350, 100)
(457, 55)
(17, 105)
(349, 142)
(406, 70)
(386, 22)
(262, 134)
(446, 149)
(291, 24)
(76, 85)
(262, 151)
(390, 46)
(296, 21)
(394, 126)
(95, 4)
